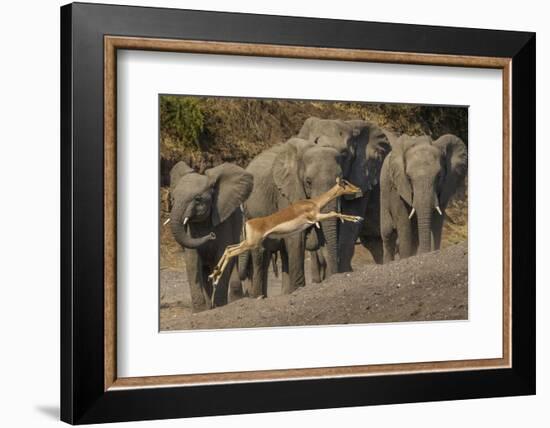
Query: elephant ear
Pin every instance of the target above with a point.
(285, 173)
(307, 128)
(455, 156)
(372, 147)
(358, 172)
(232, 186)
(377, 150)
(177, 172)
(397, 167)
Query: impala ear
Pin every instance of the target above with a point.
(455, 156)
(232, 185)
(397, 167)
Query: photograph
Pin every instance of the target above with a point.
(292, 212)
(261, 210)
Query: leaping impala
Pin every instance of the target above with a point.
(294, 219)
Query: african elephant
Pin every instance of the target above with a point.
(363, 147)
(205, 218)
(287, 172)
(417, 181)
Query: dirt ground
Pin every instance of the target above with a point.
(429, 287)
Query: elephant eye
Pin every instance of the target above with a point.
(198, 198)
(308, 181)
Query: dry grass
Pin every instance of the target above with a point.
(237, 129)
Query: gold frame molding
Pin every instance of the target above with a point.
(113, 43)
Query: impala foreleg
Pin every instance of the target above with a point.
(342, 217)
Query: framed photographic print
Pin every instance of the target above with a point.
(264, 213)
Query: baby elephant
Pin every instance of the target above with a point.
(417, 180)
(205, 219)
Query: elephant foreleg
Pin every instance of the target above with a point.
(285, 276)
(295, 253)
(388, 234)
(348, 233)
(235, 285)
(406, 239)
(321, 256)
(196, 278)
(315, 266)
(375, 246)
(437, 229)
(260, 266)
(389, 246)
(219, 293)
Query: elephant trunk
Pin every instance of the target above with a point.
(181, 231)
(330, 232)
(424, 206)
(184, 238)
(424, 232)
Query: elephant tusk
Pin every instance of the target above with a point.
(412, 213)
(185, 220)
(438, 210)
(166, 222)
(317, 225)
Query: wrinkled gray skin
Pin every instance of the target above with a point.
(421, 174)
(363, 147)
(283, 174)
(211, 204)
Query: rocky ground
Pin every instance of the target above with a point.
(429, 287)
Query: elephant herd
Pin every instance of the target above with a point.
(405, 185)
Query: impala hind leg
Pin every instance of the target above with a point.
(230, 252)
(223, 258)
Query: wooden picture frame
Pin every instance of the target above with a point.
(91, 391)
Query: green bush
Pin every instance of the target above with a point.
(182, 121)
